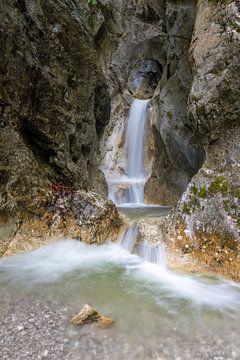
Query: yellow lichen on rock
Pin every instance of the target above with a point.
(88, 315)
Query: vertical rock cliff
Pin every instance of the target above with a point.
(206, 221)
(53, 104)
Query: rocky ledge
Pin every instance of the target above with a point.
(54, 213)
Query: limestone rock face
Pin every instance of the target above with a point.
(144, 79)
(64, 65)
(178, 153)
(54, 104)
(215, 52)
(205, 223)
(53, 97)
(160, 31)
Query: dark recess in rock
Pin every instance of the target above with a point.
(102, 107)
(144, 78)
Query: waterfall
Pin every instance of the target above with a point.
(127, 191)
(129, 188)
(135, 150)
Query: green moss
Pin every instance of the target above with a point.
(238, 194)
(220, 184)
(233, 25)
(202, 192)
(194, 190)
(170, 115)
(186, 208)
(226, 205)
(195, 98)
(193, 202)
(92, 2)
(201, 109)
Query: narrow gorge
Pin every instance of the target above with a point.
(119, 179)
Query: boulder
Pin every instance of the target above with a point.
(54, 213)
(88, 315)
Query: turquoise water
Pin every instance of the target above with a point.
(172, 314)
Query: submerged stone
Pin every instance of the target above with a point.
(89, 315)
(144, 79)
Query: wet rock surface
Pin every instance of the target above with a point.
(173, 147)
(55, 213)
(88, 315)
(144, 79)
(191, 115)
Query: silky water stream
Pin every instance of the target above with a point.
(158, 313)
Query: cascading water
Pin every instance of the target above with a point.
(135, 149)
(133, 181)
(131, 184)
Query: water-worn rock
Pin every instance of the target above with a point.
(144, 78)
(205, 224)
(55, 213)
(88, 315)
(178, 153)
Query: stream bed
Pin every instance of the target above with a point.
(158, 313)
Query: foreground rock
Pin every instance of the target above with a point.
(89, 315)
(55, 213)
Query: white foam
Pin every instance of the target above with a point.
(50, 263)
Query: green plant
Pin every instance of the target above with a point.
(186, 208)
(220, 184)
(202, 192)
(92, 2)
(170, 115)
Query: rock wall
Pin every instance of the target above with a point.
(159, 31)
(54, 103)
(194, 115)
(54, 99)
(205, 223)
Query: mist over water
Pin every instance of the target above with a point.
(51, 263)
